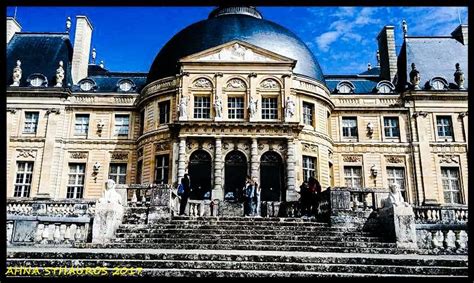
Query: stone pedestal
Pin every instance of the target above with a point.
(108, 216)
(181, 158)
(218, 192)
(159, 205)
(291, 194)
(399, 221)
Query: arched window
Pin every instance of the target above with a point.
(87, 85)
(37, 80)
(126, 85)
(345, 87)
(438, 83)
(385, 87)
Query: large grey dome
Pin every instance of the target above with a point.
(234, 23)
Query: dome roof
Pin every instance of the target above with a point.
(234, 23)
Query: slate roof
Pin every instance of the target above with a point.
(39, 53)
(433, 57)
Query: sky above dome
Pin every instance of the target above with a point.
(343, 39)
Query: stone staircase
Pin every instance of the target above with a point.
(245, 247)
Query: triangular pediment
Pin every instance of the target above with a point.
(236, 51)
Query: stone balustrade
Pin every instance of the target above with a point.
(435, 214)
(49, 222)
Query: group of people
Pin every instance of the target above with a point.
(309, 197)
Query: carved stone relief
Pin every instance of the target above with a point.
(236, 84)
(162, 146)
(26, 153)
(119, 155)
(269, 84)
(310, 147)
(395, 159)
(352, 158)
(202, 83)
(78, 155)
(449, 158)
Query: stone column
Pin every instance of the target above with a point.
(291, 194)
(218, 192)
(254, 162)
(430, 191)
(181, 158)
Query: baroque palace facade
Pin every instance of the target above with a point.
(231, 96)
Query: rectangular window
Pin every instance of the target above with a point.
(309, 167)
(24, 174)
(142, 122)
(164, 108)
(269, 108)
(396, 175)
(202, 107)
(139, 171)
(118, 172)
(451, 185)
(235, 106)
(75, 187)
(445, 126)
(162, 167)
(390, 126)
(122, 125)
(308, 113)
(31, 122)
(349, 127)
(82, 124)
(353, 176)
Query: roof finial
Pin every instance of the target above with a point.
(17, 72)
(60, 74)
(378, 58)
(415, 77)
(459, 76)
(102, 64)
(68, 24)
(94, 55)
(404, 28)
(369, 67)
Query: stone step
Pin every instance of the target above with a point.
(244, 219)
(242, 265)
(289, 226)
(253, 242)
(289, 237)
(231, 256)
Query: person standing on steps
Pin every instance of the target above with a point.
(184, 197)
(256, 198)
(249, 193)
(305, 199)
(315, 190)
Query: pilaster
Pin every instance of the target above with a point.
(218, 192)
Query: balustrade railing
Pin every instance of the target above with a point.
(441, 214)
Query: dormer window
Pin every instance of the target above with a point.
(385, 87)
(87, 85)
(37, 80)
(345, 87)
(438, 83)
(126, 85)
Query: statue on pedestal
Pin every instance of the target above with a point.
(395, 197)
(17, 72)
(218, 107)
(59, 75)
(110, 194)
(290, 108)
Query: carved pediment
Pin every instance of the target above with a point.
(236, 50)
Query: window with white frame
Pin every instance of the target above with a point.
(75, 187)
(353, 176)
(164, 108)
(396, 175)
(202, 107)
(308, 113)
(162, 169)
(31, 122)
(384, 88)
(451, 184)
(391, 128)
(235, 107)
(309, 167)
(269, 108)
(445, 126)
(349, 127)
(81, 126)
(122, 124)
(24, 175)
(118, 172)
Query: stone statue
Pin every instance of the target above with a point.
(17, 72)
(253, 106)
(290, 108)
(415, 77)
(459, 76)
(59, 75)
(395, 197)
(182, 107)
(110, 194)
(218, 107)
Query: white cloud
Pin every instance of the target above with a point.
(325, 40)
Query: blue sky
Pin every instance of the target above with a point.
(343, 39)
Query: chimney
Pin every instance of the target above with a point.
(12, 27)
(388, 55)
(460, 33)
(82, 46)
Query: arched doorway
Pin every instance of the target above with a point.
(271, 176)
(200, 166)
(235, 173)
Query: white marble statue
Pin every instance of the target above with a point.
(218, 107)
(59, 75)
(395, 197)
(290, 108)
(182, 107)
(253, 106)
(110, 194)
(17, 72)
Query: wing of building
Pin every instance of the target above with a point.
(232, 96)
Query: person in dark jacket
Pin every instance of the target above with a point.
(184, 197)
(315, 190)
(305, 199)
